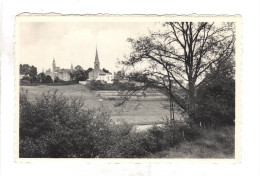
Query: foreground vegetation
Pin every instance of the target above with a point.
(54, 126)
(212, 143)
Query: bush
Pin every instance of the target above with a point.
(57, 127)
(129, 146)
(141, 144)
(177, 132)
(31, 79)
(27, 78)
(157, 139)
(54, 126)
(216, 95)
(216, 102)
(96, 85)
(25, 82)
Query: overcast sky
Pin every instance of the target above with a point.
(75, 42)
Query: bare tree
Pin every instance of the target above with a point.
(181, 54)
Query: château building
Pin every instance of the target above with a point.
(62, 74)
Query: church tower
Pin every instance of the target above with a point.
(53, 68)
(96, 65)
(53, 65)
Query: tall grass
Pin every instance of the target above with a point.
(212, 143)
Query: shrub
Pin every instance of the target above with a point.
(128, 146)
(122, 129)
(216, 99)
(96, 85)
(177, 132)
(27, 78)
(157, 139)
(54, 126)
(25, 82)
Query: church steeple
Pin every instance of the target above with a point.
(53, 65)
(96, 58)
(96, 65)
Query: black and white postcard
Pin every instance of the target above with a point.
(135, 87)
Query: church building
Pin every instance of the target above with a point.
(98, 74)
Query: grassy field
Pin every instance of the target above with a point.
(143, 112)
(214, 143)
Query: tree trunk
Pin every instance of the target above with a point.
(191, 101)
(171, 109)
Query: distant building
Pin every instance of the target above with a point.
(98, 74)
(21, 76)
(62, 74)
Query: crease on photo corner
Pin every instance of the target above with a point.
(238, 83)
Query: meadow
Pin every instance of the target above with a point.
(142, 112)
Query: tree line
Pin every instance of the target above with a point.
(31, 76)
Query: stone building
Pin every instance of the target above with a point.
(62, 74)
(98, 74)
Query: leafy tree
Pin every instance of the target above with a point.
(87, 72)
(33, 71)
(49, 79)
(105, 70)
(33, 79)
(181, 51)
(216, 95)
(120, 74)
(78, 67)
(79, 75)
(56, 79)
(41, 78)
(24, 69)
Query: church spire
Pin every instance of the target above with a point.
(96, 65)
(96, 58)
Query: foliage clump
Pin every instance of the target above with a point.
(54, 126)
